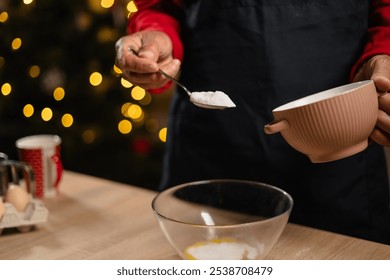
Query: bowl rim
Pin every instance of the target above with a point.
(203, 182)
(322, 96)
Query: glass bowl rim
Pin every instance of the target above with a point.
(204, 182)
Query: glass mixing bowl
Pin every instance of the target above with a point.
(223, 219)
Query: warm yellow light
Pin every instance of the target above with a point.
(34, 71)
(46, 114)
(126, 83)
(134, 111)
(95, 79)
(28, 110)
(59, 94)
(89, 136)
(107, 3)
(6, 89)
(16, 43)
(162, 135)
(117, 70)
(131, 7)
(147, 99)
(137, 93)
(125, 108)
(3, 17)
(106, 34)
(67, 120)
(28, 2)
(125, 126)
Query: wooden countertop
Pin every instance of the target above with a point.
(97, 219)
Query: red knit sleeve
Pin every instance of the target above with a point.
(152, 19)
(378, 39)
(148, 18)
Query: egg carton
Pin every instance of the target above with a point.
(35, 213)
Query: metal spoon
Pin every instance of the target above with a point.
(207, 99)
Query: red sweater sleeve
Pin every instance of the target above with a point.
(378, 37)
(148, 17)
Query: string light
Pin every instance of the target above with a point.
(95, 78)
(59, 94)
(134, 111)
(6, 89)
(16, 44)
(88, 136)
(117, 70)
(28, 110)
(3, 17)
(34, 71)
(67, 120)
(46, 114)
(125, 83)
(131, 8)
(146, 100)
(137, 93)
(107, 3)
(125, 126)
(162, 135)
(129, 110)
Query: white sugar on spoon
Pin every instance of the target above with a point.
(205, 99)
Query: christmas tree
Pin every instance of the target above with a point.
(57, 76)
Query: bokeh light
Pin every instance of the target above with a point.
(146, 100)
(28, 110)
(67, 120)
(116, 70)
(34, 71)
(95, 78)
(126, 83)
(3, 17)
(131, 7)
(6, 89)
(125, 126)
(107, 3)
(59, 94)
(134, 111)
(16, 44)
(162, 135)
(89, 136)
(46, 114)
(137, 93)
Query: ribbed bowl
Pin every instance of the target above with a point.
(329, 125)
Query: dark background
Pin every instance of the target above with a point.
(69, 40)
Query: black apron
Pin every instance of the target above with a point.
(263, 54)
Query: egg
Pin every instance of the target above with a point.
(18, 197)
(2, 208)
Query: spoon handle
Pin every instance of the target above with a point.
(166, 75)
(176, 81)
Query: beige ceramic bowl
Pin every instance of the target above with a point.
(329, 125)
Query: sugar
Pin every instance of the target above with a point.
(216, 98)
(221, 251)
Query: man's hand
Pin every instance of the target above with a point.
(378, 70)
(142, 54)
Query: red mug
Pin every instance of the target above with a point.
(42, 153)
